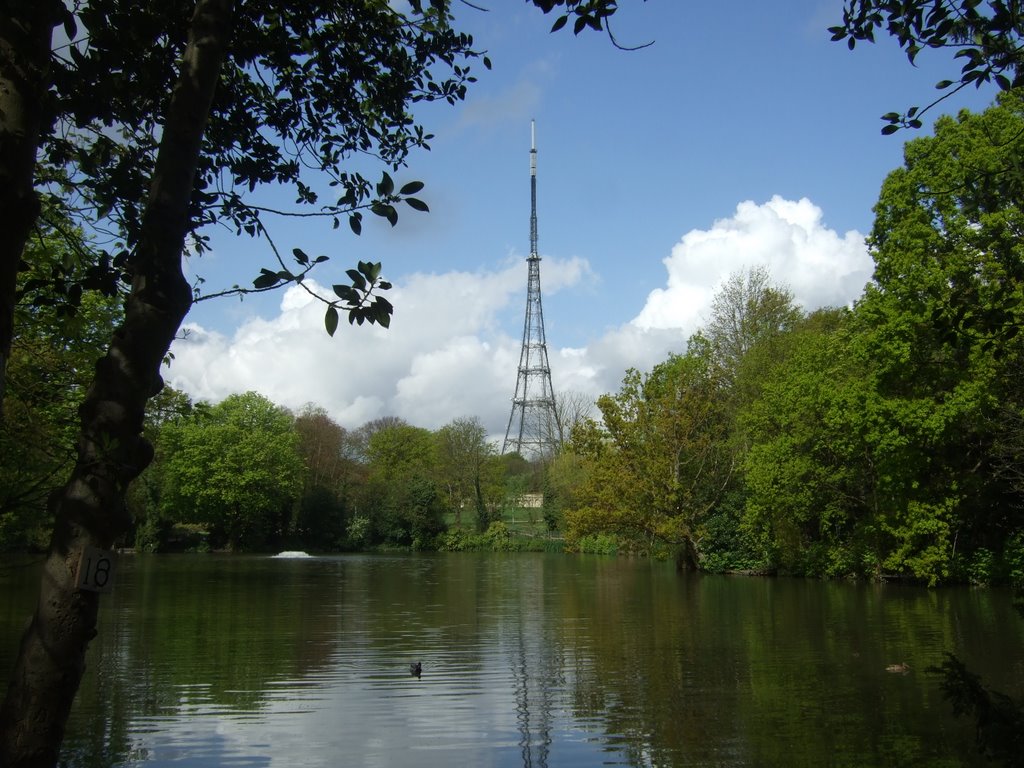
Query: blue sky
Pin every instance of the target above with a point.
(741, 137)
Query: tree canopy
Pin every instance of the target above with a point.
(986, 34)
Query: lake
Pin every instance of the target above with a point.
(527, 660)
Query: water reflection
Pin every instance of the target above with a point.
(527, 660)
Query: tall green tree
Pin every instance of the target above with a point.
(235, 468)
(751, 317)
(466, 466)
(881, 447)
(403, 497)
(747, 312)
(329, 472)
(153, 528)
(940, 323)
(810, 502)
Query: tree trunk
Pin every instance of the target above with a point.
(90, 508)
(26, 28)
(686, 556)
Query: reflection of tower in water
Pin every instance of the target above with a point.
(536, 673)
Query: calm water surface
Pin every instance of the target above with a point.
(528, 660)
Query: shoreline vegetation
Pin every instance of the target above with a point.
(880, 441)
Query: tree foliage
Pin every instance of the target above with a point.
(467, 462)
(234, 466)
(882, 441)
(659, 461)
(57, 343)
(986, 34)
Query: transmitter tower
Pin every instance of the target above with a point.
(533, 429)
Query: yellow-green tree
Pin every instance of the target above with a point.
(660, 460)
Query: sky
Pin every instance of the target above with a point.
(742, 137)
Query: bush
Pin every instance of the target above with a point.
(597, 544)
(1013, 560)
(498, 537)
(358, 532)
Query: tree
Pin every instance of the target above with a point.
(25, 62)
(987, 35)
(152, 528)
(573, 407)
(464, 456)
(940, 326)
(235, 468)
(809, 487)
(747, 311)
(745, 339)
(322, 444)
(661, 460)
(51, 362)
(402, 495)
(158, 120)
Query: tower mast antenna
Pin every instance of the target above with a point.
(533, 429)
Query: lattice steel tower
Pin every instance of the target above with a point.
(533, 427)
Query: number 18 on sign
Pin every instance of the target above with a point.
(95, 570)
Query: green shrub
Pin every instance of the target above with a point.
(498, 537)
(1013, 560)
(597, 544)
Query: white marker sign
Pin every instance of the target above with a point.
(96, 570)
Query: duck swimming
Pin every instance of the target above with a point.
(416, 669)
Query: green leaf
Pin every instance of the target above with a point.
(355, 223)
(70, 27)
(386, 185)
(331, 320)
(560, 22)
(370, 271)
(417, 205)
(300, 256)
(265, 280)
(346, 292)
(889, 129)
(411, 188)
(385, 211)
(357, 279)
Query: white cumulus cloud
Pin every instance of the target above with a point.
(451, 350)
(820, 266)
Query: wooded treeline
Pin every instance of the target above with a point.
(246, 474)
(881, 440)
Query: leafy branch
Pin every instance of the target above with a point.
(986, 35)
(589, 14)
